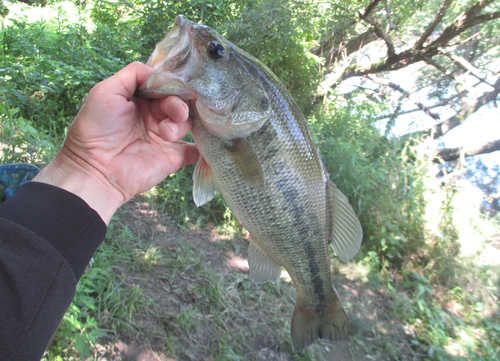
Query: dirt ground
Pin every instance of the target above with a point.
(373, 331)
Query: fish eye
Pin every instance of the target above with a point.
(216, 50)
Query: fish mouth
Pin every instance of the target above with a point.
(175, 48)
(169, 58)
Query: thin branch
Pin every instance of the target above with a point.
(448, 101)
(122, 2)
(464, 64)
(430, 29)
(466, 111)
(471, 49)
(462, 42)
(451, 75)
(369, 9)
(411, 56)
(465, 21)
(449, 154)
(438, 105)
(406, 94)
(351, 47)
(328, 43)
(388, 14)
(380, 31)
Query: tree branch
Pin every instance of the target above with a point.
(351, 47)
(430, 29)
(406, 94)
(449, 74)
(369, 9)
(441, 104)
(380, 31)
(388, 14)
(464, 64)
(395, 62)
(122, 2)
(444, 127)
(411, 56)
(329, 43)
(465, 21)
(470, 52)
(449, 154)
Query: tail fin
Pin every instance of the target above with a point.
(329, 323)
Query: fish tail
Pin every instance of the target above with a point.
(309, 324)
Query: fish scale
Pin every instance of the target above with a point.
(257, 149)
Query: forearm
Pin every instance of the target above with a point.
(47, 237)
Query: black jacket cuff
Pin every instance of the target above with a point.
(63, 219)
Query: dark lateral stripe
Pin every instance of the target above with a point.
(317, 282)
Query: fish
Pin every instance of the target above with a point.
(257, 150)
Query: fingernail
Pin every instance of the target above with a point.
(174, 128)
(185, 106)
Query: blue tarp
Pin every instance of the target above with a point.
(14, 175)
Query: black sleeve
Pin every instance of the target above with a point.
(47, 238)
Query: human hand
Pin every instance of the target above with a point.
(119, 146)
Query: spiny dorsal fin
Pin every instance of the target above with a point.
(346, 233)
(247, 162)
(204, 188)
(262, 267)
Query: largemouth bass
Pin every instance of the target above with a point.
(257, 150)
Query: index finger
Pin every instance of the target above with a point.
(127, 80)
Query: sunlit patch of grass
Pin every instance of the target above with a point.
(151, 255)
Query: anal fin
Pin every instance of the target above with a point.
(262, 267)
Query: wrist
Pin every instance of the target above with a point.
(81, 179)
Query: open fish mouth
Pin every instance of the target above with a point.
(175, 48)
(169, 59)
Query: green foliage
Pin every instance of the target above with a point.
(381, 177)
(49, 66)
(20, 142)
(280, 34)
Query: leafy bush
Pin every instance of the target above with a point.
(49, 66)
(20, 142)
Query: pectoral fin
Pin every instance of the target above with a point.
(345, 230)
(204, 188)
(248, 163)
(262, 267)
